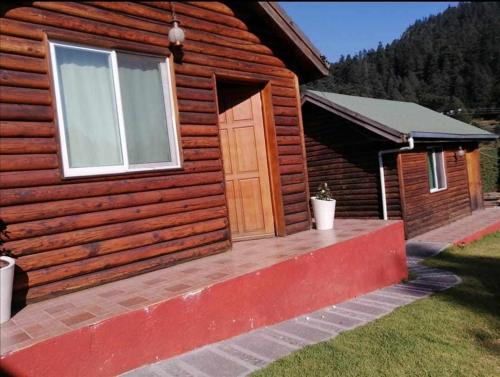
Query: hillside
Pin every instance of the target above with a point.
(447, 61)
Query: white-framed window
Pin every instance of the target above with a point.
(115, 110)
(436, 169)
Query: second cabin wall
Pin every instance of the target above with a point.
(345, 156)
(72, 234)
(425, 211)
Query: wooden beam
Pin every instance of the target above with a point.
(273, 161)
(303, 147)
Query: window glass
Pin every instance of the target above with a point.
(436, 169)
(144, 109)
(431, 170)
(115, 111)
(440, 174)
(88, 106)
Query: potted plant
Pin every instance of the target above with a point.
(7, 265)
(323, 207)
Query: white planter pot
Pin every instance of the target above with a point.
(6, 281)
(324, 213)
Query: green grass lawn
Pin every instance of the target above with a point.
(452, 333)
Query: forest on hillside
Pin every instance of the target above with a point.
(446, 62)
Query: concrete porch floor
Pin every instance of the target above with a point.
(281, 277)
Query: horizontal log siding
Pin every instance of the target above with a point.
(72, 234)
(424, 210)
(346, 158)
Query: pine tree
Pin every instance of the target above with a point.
(441, 59)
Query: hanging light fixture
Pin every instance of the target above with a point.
(460, 152)
(176, 35)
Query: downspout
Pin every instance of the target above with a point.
(409, 147)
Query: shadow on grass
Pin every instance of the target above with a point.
(479, 292)
(423, 249)
(487, 340)
(478, 272)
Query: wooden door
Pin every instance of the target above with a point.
(474, 175)
(245, 162)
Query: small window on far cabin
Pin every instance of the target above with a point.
(436, 169)
(116, 111)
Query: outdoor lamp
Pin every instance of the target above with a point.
(460, 152)
(176, 34)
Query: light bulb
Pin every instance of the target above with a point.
(176, 34)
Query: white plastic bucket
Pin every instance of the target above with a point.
(6, 281)
(324, 213)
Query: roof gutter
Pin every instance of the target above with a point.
(411, 145)
(442, 135)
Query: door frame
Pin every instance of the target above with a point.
(472, 156)
(271, 143)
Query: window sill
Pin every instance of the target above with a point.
(438, 190)
(130, 172)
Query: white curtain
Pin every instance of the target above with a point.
(89, 108)
(143, 109)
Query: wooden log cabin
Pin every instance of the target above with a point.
(121, 154)
(392, 160)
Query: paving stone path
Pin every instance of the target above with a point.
(246, 353)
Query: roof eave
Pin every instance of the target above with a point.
(295, 35)
(357, 118)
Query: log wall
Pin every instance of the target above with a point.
(70, 234)
(424, 210)
(343, 155)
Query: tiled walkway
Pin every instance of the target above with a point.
(244, 354)
(458, 230)
(454, 233)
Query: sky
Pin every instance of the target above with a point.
(341, 28)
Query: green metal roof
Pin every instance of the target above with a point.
(396, 117)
